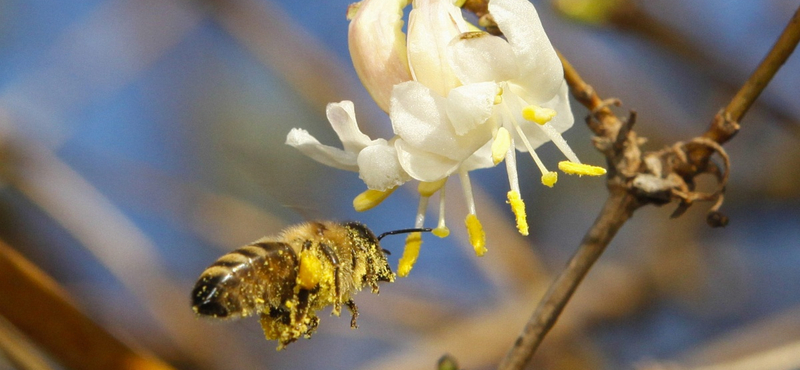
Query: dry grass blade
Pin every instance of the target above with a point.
(269, 34)
(19, 351)
(41, 310)
(117, 243)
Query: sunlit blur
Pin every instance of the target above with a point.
(140, 140)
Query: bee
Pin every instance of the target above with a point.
(287, 279)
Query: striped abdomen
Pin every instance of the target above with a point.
(248, 280)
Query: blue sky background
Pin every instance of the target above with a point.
(143, 139)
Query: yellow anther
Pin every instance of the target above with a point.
(580, 169)
(535, 113)
(476, 235)
(410, 254)
(518, 207)
(370, 198)
(459, 3)
(500, 145)
(310, 272)
(550, 178)
(498, 98)
(441, 231)
(427, 189)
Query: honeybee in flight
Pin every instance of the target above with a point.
(287, 279)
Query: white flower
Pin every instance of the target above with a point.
(374, 160)
(459, 100)
(511, 96)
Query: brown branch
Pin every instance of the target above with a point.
(726, 123)
(628, 16)
(41, 310)
(781, 51)
(618, 208)
(636, 179)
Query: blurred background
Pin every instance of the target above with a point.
(140, 140)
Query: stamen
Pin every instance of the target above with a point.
(371, 198)
(542, 116)
(535, 113)
(581, 169)
(502, 141)
(518, 207)
(550, 178)
(467, 187)
(476, 235)
(310, 272)
(421, 210)
(413, 240)
(562, 145)
(427, 189)
(410, 254)
(441, 230)
(547, 176)
(498, 98)
(511, 168)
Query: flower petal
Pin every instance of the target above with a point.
(419, 117)
(378, 47)
(379, 168)
(342, 117)
(422, 165)
(432, 24)
(470, 105)
(479, 57)
(482, 158)
(540, 69)
(324, 154)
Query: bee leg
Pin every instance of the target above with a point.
(354, 310)
(371, 278)
(337, 285)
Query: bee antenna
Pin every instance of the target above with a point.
(405, 231)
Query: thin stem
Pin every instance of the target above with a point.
(38, 307)
(781, 51)
(607, 124)
(618, 208)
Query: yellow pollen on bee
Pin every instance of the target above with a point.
(550, 178)
(518, 207)
(580, 169)
(371, 198)
(476, 235)
(427, 189)
(535, 113)
(410, 254)
(310, 272)
(500, 145)
(441, 231)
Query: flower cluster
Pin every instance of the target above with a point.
(459, 99)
